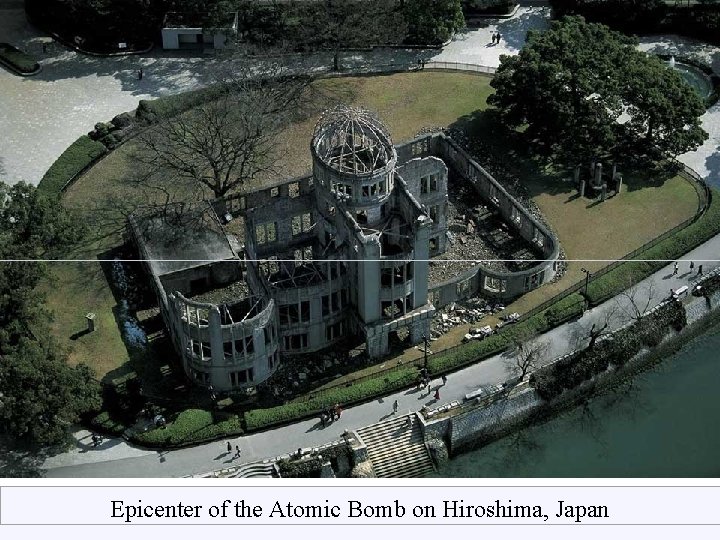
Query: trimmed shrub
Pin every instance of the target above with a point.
(154, 110)
(17, 59)
(76, 158)
(105, 423)
(568, 308)
(190, 426)
(356, 393)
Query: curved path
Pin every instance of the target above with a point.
(41, 116)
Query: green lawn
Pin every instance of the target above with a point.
(406, 103)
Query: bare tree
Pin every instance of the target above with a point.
(229, 141)
(527, 354)
(636, 300)
(586, 335)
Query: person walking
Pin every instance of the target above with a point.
(692, 265)
(675, 268)
(437, 394)
(229, 447)
(140, 74)
(700, 270)
(499, 38)
(237, 451)
(395, 406)
(444, 380)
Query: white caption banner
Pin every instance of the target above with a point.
(359, 505)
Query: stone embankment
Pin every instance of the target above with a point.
(491, 413)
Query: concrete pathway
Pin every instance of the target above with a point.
(474, 46)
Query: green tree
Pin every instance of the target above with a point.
(343, 24)
(433, 21)
(571, 85)
(664, 112)
(39, 393)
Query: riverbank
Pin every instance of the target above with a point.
(655, 425)
(471, 428)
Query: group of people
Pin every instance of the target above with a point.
(496, 37)
(676, 268)
(237, 450)
(330, 414)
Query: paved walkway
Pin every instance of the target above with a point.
(474, 46)
(40, 116)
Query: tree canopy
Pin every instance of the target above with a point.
(584, 92)
(433, 21)
(40, 394)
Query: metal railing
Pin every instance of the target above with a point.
(459, 66)
(704, 197)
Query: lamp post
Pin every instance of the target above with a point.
(587, 281)
(425, 340)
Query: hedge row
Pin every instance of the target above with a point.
(105, 423)
(190, 426)
(618, 279)
(569, 372)
(17, 59)
(154, 110)
(367, 389)
(76, 157)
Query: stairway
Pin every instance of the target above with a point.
(259, 469)
(256, 469)
(396, 450)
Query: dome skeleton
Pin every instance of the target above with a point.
(352, 140)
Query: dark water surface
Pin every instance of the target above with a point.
(666, 424)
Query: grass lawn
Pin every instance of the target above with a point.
(406, 103)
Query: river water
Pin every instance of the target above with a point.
(663, 424)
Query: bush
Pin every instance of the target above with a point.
(154, 110)
(17, 59)
(76, 157)
(485, 7)
(565, 309)
(105, 423)
(190, 426)
(356, 393)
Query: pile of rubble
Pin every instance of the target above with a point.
(300, 374)
(470, 311)
(475, 234)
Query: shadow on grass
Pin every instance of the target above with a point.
(507, 154)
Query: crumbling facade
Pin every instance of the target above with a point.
(342, 255)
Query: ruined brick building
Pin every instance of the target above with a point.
(343, 254)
